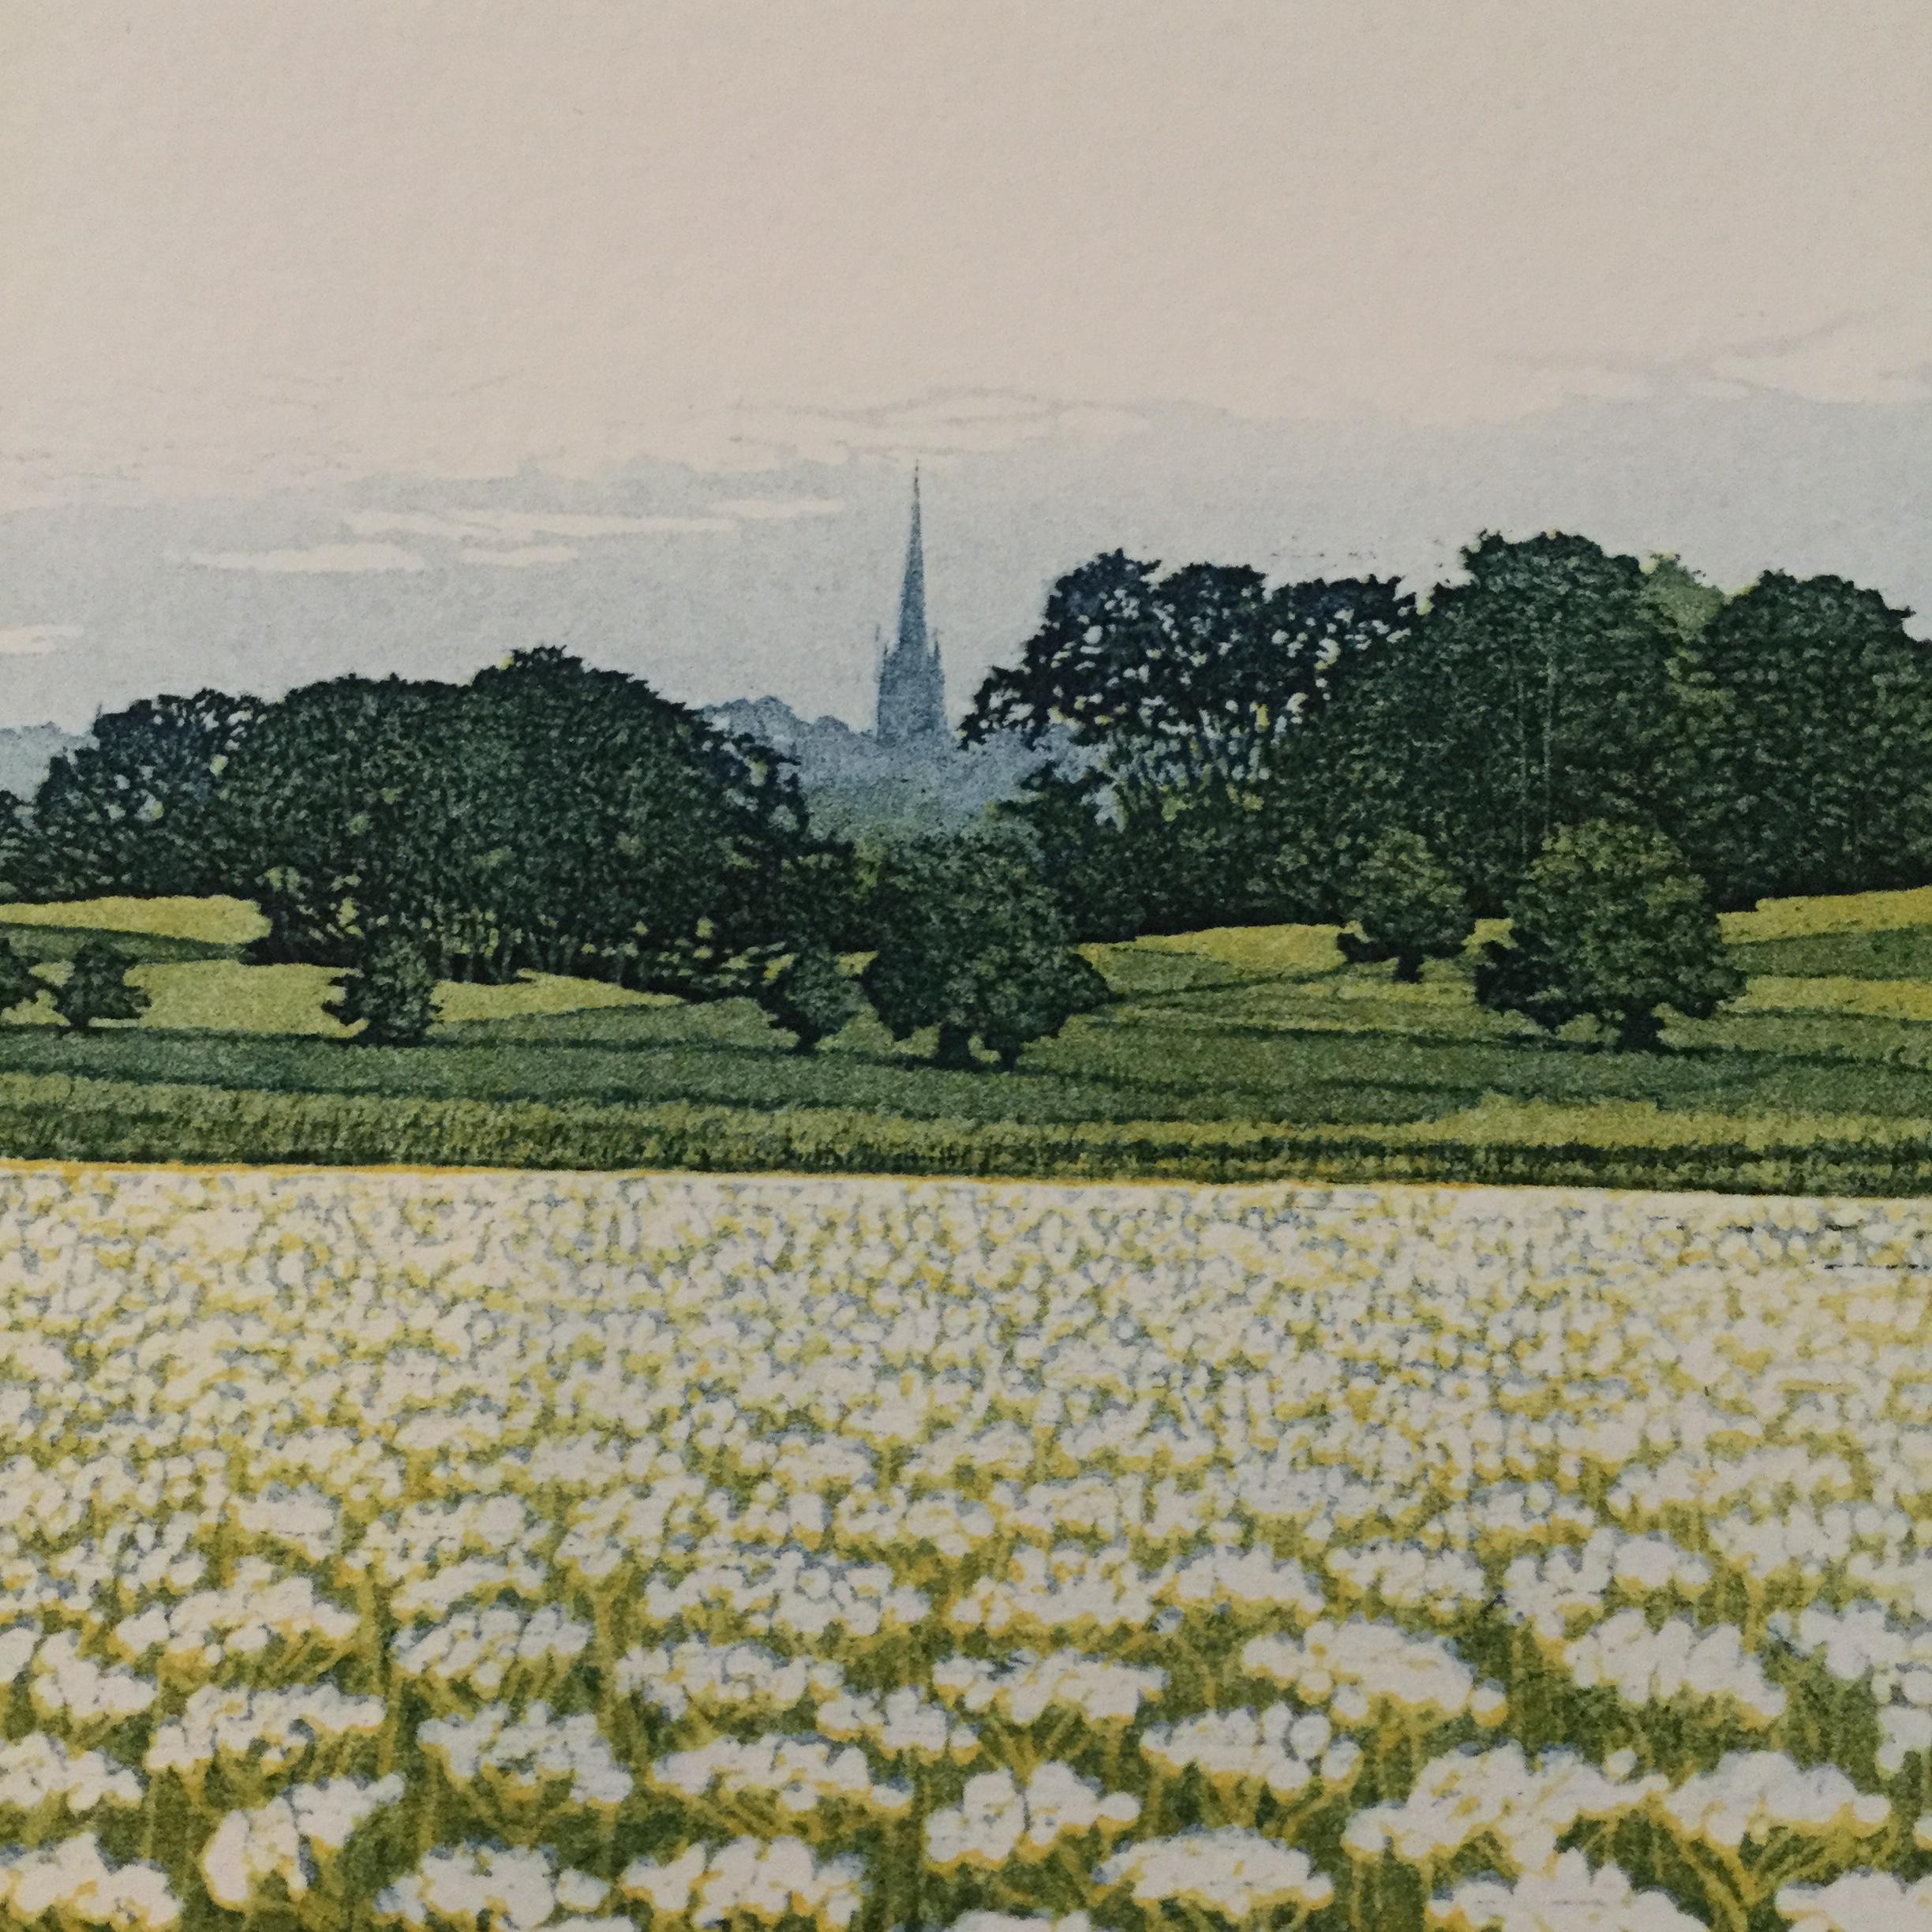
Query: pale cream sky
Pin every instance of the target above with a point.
(246, 243)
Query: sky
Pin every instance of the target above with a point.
(391, 336)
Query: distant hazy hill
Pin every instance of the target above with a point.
(26, 751)
(854, 784)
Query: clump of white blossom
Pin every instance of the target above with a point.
(291, 1841)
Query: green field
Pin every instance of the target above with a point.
(1241, 1052)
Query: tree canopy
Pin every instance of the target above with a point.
(1809, 771)
(972, 943)
(1609, 924)
(134, 809)
(1250, 746)
(1193, 688)
(1535, 694)
(544, 816)
(1410, 907)
(1224, 750)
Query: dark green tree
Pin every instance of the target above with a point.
(390, 992)
(544, 816)
(133, 810)
(1191, 691)
(1090, 859)
(972, 941)
(1810, 772)
(1410, 906)
(97, 987)
(1610, 924)
(1041, 990)
(1537, 692)
(341, 804)
(21, 867)
(811, 996)
(20, 985)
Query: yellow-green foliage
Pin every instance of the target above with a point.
(1800, 919)
(558, 1552)
(1275, 951)
(536, 995)
(1879, 999)
(213, 922)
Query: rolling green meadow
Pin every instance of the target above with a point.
(1243, 1053)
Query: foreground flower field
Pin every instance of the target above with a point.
(524, 1552)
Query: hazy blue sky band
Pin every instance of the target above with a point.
(395, 338)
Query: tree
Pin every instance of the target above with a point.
(811, 996)
(20, 985)
(1192, 690)
(545, 817)
(1089, 856)
(1036, 998)
(97, 987)
(134, 809)
(1609, 923)
(1810, 772)
(972, 942)
(1537, 692)
(1410, 906)
(390, 992)
(21, 866)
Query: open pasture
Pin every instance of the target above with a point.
(1244, 1053)
(525, 1551)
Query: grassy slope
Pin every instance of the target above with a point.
(1240, 1052)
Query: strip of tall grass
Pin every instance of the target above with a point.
(1499, 1143)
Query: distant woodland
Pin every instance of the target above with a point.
(1236, 751)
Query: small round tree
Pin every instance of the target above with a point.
(20, 985)
(97, 987)
(972, 942)
(1610, 924)
(1410, 906)
(811, 996)
(1036, 999)
(390, 992)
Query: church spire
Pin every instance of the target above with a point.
(912, 682)
(912, 590)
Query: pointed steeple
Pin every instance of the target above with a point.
(911, 682)
(912, 589)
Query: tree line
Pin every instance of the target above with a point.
(1605, 750)
(544, 816)
(1247, 745)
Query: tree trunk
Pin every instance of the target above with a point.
(1641, 1032)
(1409, 968)
(954, 1049)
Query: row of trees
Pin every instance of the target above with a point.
(1608, 924)
(1242, 751)
(972, 945)
(1246, 746)
(544, 816)
(96, 986)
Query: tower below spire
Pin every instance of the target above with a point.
(912, 681)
